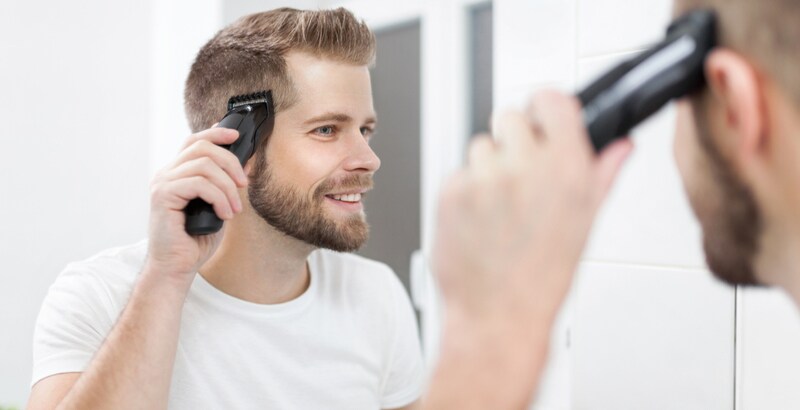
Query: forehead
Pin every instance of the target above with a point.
(325, 85)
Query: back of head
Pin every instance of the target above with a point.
(248, 56)
(765, 31)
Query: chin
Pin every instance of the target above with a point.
(729, 256)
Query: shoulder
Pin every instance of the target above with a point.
(120, 264)
(80, 309)
(108, 276)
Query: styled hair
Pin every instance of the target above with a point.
(249, 56)
(765, 31)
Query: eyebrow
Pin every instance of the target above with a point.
(337, 117)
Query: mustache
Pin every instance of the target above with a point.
(357, 182)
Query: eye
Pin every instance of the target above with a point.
(325, 131)
(367, 132)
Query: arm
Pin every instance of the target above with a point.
(511, 229)
(133, 367)
(134, 364)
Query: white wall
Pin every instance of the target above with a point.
(178, 29)
(91, 104)
(74, 108)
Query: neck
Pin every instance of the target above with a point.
(778, 263)
(257, 263)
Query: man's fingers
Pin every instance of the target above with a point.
(221, 156)
(481, 149)
(608, 164)
(177, 194)
(514, 135)
(206, 168)
(560, 119)
(217, 135)
(483, 158)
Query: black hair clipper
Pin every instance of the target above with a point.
(634, 90)
(253, 115)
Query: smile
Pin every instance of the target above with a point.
(348, 202)
(346, 197)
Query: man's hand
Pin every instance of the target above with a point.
(205, 170)
(133, 367)
(512, 226)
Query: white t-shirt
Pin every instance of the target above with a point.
(348, 342)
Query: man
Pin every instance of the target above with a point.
(263, 315)
(513, 224)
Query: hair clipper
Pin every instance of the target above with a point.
(253, 115)
(635, 89)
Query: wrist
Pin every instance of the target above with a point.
(158, 280)
(500, 360)
(471, 333)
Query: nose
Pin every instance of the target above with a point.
(360, 156)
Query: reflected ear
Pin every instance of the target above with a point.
(736, 87)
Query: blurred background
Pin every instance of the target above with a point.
(91, 98)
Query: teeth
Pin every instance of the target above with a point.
(348, 197)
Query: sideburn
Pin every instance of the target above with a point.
(731, 237)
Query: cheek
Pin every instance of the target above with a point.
(300, 162)
(691, 162)
(685, 140)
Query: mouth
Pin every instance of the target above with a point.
(349, 201)
(350, 198)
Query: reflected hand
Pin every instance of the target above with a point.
(511, 229)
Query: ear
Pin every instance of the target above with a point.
(736, 87)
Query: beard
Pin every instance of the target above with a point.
(295, 215)
(733, 224)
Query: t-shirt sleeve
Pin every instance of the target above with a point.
(404, 379)
(72, 323)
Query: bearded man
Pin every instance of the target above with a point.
(267, 313)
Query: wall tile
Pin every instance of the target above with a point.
(534, 42)
(768, 353)
(606, 26)
(651, 338)
(646, 218)
(517, 96)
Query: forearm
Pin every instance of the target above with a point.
(489, 367)
(133, 367)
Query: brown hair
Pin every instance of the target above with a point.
(766, 31)
(248, 56)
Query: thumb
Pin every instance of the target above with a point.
(608, 164)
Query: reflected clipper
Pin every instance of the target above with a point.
(635, 89)
(253, 115)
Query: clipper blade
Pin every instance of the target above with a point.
(264, 97)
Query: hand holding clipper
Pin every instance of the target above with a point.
(253, 115)
(636, 89)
